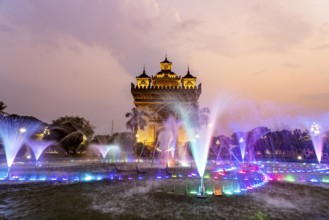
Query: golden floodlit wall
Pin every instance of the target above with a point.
(158, 95)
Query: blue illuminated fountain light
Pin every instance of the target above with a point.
(107, 149)
(167, 139)
(14, 132)
(234, 177)
(38, 147)
(17, 133)
(200, 136)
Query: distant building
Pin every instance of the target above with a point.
(163, 95)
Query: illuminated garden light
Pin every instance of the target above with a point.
(22, 130)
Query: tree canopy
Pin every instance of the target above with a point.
(72, 132)
(136, 120)
(3, 106)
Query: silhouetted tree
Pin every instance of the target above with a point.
(104, 139)
(253, 136)
(2, 108)
(72, 133)
(136, 120)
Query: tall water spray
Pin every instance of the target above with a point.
(167, 138)
(14, 132)
(172, 126)
(242, 145)
(200, 142)
(199, 133)
(241, 138)
(164, 140)
(317, 140)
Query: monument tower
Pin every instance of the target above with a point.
(162, 96)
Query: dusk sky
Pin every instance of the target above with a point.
(256, 60)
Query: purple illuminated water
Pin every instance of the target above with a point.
(104, 150)
(317, 140)
(38, 146)
(167, 138)
(14, 132)
(200, 138)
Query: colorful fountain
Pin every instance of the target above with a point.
(14, 133)
(203, 178)
(38, 146)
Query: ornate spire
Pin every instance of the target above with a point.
(166, 60)
(188, 75)
(143, 75)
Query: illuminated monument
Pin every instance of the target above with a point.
(159, 96)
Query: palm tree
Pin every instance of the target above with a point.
(136, 120)
(2, 108)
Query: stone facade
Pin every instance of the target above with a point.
(163, 95)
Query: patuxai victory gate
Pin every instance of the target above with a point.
(167, 98)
